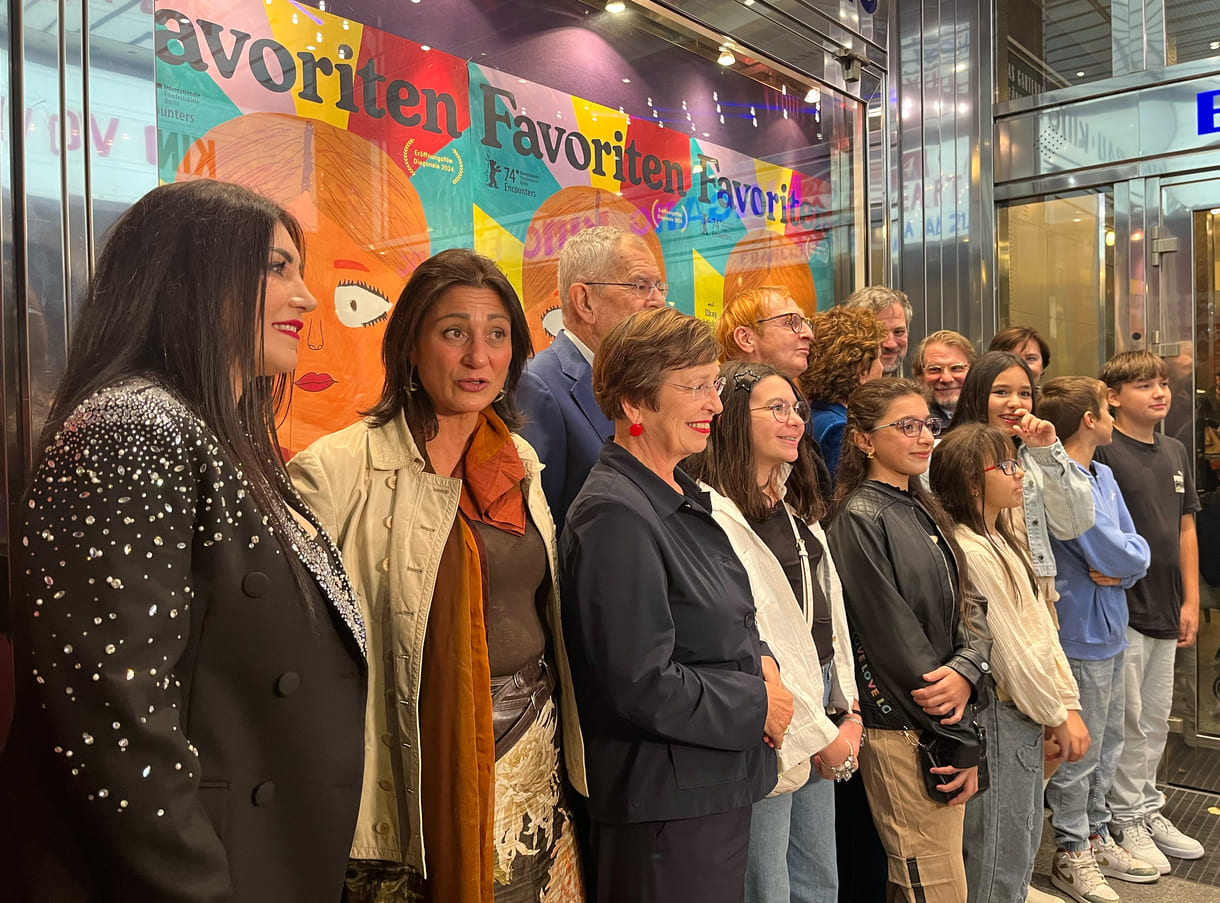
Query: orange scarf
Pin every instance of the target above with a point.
(491, 487)
(458, 751)
(458, 747)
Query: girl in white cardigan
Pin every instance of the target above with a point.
(979, 482)
(764, 494)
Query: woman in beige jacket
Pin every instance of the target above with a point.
(443, 526)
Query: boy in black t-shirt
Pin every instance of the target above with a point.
(1156, 478)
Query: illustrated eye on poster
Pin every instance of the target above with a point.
(388, 151)
(358, 304)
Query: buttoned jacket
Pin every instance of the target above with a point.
(188, 727)
(665, 650)
(391, 519)
(565, 425)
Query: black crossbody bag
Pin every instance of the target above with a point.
(932, 752)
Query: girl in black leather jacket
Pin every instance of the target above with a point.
(919, 678)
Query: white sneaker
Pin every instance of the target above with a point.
(1116, 862)
(1171, 841)
(1077, 875)
(1034, 895)
(1136, 839)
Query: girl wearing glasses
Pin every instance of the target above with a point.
(902, 575)
(978, 481)
(766, 497)
(1057, 500)
(848, 342)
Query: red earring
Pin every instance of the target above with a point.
(636, 429)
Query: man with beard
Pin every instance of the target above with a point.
(942, 361)
(894, 311)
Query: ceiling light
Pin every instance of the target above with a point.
(726, 57)
(1215, 45)
(616, 6)
(1080, 74)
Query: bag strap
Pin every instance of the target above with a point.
(806, 571)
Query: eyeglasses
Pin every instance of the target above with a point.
(643, 288)
(703, 390)
(1009, 467)
(795, 322)
(782, 411)
(954, 369)
(912, 427)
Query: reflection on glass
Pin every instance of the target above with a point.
(1198, 390)
(1192, 30)
(1044, 45)
(1055, 275)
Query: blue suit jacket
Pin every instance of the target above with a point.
(564, 424)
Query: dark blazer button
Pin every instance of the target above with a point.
(287, 683)
(255, 584)
(264, 793)
(750, 619)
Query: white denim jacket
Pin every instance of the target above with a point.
(1058, 502)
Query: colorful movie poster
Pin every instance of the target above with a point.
(389, 151)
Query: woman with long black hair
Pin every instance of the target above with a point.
(190, 666)
(999, 391)
(766, 497)
(918, 677)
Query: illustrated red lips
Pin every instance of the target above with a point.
(315, 382)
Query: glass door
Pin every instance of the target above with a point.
(1181, 328)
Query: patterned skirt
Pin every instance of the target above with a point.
(536, 854)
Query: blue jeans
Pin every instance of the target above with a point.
(792, 847)
(1004, 824)
(1077, 791)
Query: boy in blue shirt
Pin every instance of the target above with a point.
(1094, 571)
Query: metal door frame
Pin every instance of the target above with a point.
(1169, 253)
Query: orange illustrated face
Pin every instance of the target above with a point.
(339, 370)
(365, 232)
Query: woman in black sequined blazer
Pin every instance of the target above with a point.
(189, 655)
